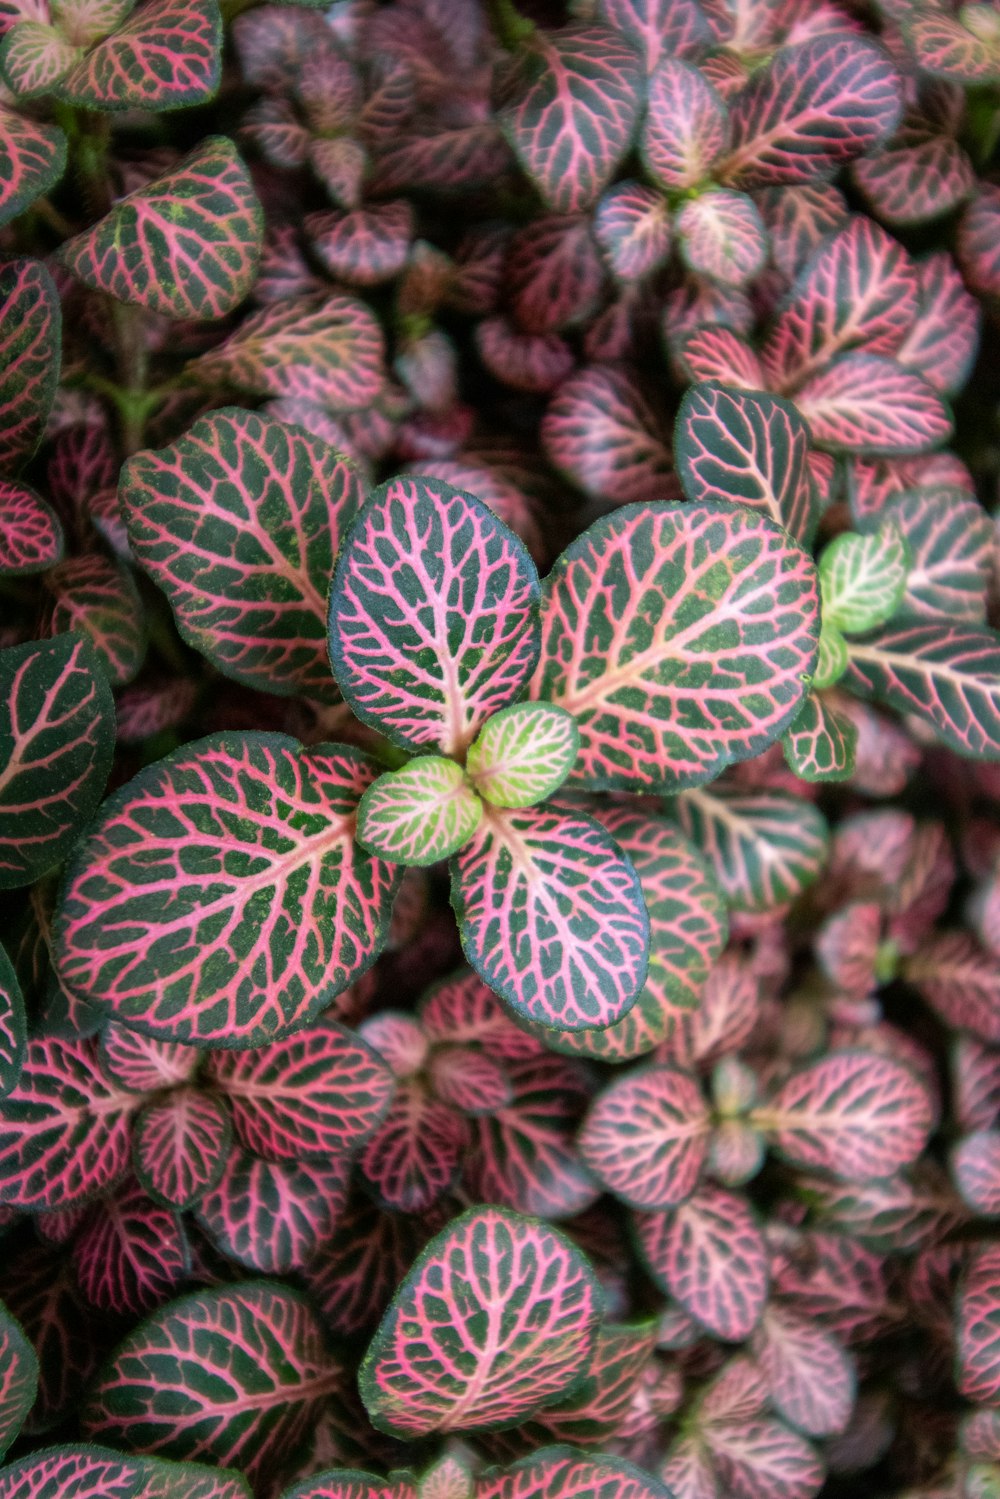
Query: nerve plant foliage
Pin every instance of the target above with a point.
(499, 727)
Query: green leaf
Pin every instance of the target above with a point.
(821, 744)
(523, 754)
(863, 578)
(419, 814)
(832, 661)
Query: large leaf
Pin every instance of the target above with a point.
(64, 1128)
(239, 522)
(813, 107)
(32, 159)
(166, 55)
(551, 915)
(680, 637)
(30, 353)
(57, 723)
(577, 94)
(497, 1317)
(31, 538)
(433, 615)
(948, 675)
(222, 899)
(646, 1137)
(90, 1472)
(764, 847)
(319, 1093)
(562, 1473)
(186, 245)
(862, 403)
(18, 1378)
(978, 1373)
(235, 1375)
(856, 1114)
(12, 1025)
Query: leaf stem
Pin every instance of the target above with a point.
(132, 398)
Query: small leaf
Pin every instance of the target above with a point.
(180, 1146)
(166, 55)
(659, 28)
(833, 659)
(523, 754)
(31, 538)
(30, 352)
(632, 227)
(32, 160)
(975, 1167)
(551, 916)
(764, 847)
(862, 403)
(363, 246)
(684, 133)
(497, 1317)
(56, 746)
(420, 814)
(273, 1216)
(944, 48)
(601, 432)
(417, 1153)
(863, 578)
(919, 176)
(978, 1331)
(433, 615)
(254, 836)
(721, 234)
(18, 1378)
(131, 1254)
(646, 1137)
(94, 596)
(621, 1362)
(186, 245)
(236, 1374)
(822, 743)
(34, 56)
(811, 1379)
(561, 1473)
(13, 1039)
(960, 980)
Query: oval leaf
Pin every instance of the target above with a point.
(18, 1378)
(647, 1135)
(180, 1146)
(13, 1039)
(30, 352)
(31, 538)
(166, 55)
(523, 754)
(32, 160)
(419, 814)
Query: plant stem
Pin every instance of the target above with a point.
(510, 28)
(49, 214)
(133, 400)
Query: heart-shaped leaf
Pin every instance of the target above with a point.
(180, 1146)
(18, 1378)
(64, 1128)
(321, 1092)
(254, 836)
(813, 107)
(822, 743)
(680, 671)
(30, 354)
(166, 55)
(862, 403)
(551, 916)
(632, 227)
(56, 745)
(523, 754)
(237, 1374)
(31, 538)
(420, 814)
(186, 245)
(13, 1039)
(131, 1254)
(239, 522)
(562, 1473)
(272, 1216)
(433, 615)
(32, 160)
(647, 1135)
(497, 1317)
(601, 432)
(855, 1113)
(863, 578)
(577, 98)
(684, 132)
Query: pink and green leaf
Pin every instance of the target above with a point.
(96, 597)
(523, 754)
(31, 537)
(180, 1146)
(960, 980)
(863, 578)
(497, 1317)
(762, 1459)
(252, 835)
(417, 1152)
(950, 538)
(239, 522)
(166, 55)
(646, 1137)
(18, 1378)
(142, 1064)
(32, 160)
(551, 916)
(943, 342)
(131, 1254)
(363, 246)
(56, 747)
(978, 1328)
(684, 132)
(720, 234)
(433, 615)
(187, 245)
(943, 47)
(812, 1381)
(601, 432)
(658, 28)
(30, 355)
(975, 1167)
(34, 56)
(420, 814)
(822, 743)
(798, 219)
(469, 1080)
(714, 352)
(862, 403)
(562, 1473)
(764, 847)
(632, 227)
(272, 1216)
(976, 246)
(90, 1472)
(13, 1036)
(553, 274)
(919, 176)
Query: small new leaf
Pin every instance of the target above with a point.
(523, 754)
(863, 578)
(420, 814)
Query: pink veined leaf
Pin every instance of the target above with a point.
(56, 747)
(18, 1379)
(943, 342)
(685, 129)
(798, 219)
(456, 1351)
(94, 596)
(811, 1379)
(950, 538)
(764, 847)
(975, 1167)
(812, 108)
(562, 1473)
(720, 234)
(398, 1039)
(553, 274)
(349, 1483)
(944, 48)
(658, 28)
(363, 246)
(254, 835)
(508, 500)
(822, 743)
(831, 1279)
(728, 1012)
(13, 1036)
(710, 1255)
(919, 176)
(180, 1146)
(551, 916)
(34, 56)
(978, 1331)
(143, 1064)
(977, 247)
(715, 353)
(862, 403)
(463, 1010)
(632, 227)
(31, 538)
(321, 1092)
(715, 680)
(748, 447)
(425, 575)
(442, 160)
(272, 1216)
(601, 432)
(241, 1374)
(417, 1152)
(187, 245)
(855, 1114)
(32, 160)
(167, 54)
(847, 947)
(522, 755)
(975, 1082)
(91, 1472)
(646, 1137)
(763, 1459)
(131, 1254)
(576, 96)
(524, 1155)
(355, 1272)
(469, 1080)
(960, 980)
(239, 522)
(947, 675)
(30, 351)
(858, 290)
(532, 362)
(64, 1129)
(915, 1208)
(419, 814)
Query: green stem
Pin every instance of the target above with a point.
(91, 139)
(133, 400)
(510, 28)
